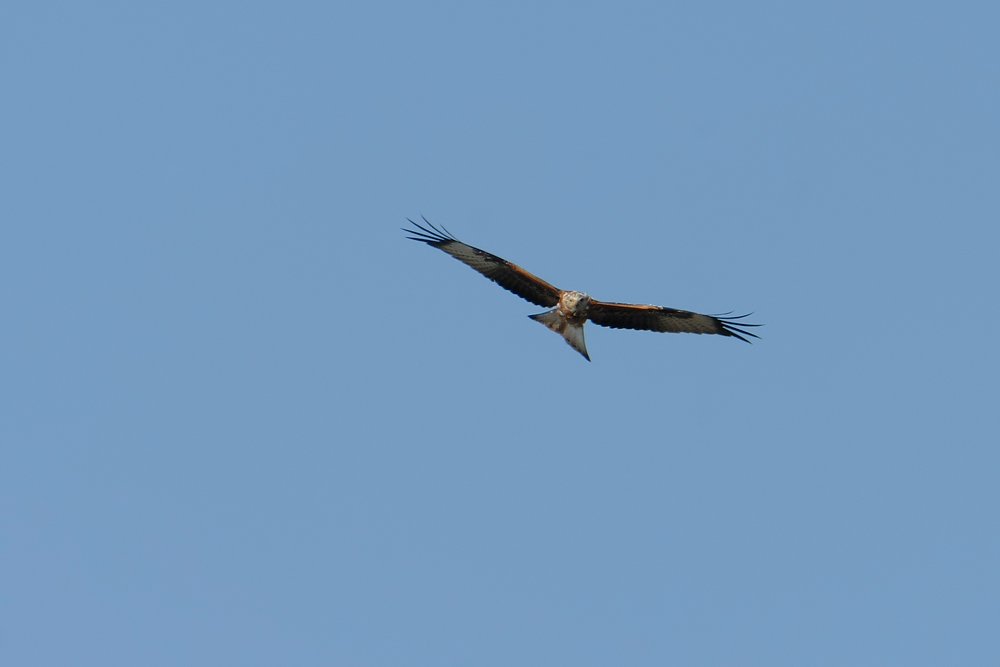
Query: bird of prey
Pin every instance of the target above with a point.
(570, 310)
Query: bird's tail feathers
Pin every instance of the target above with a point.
(573, 333)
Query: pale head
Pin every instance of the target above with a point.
(575, 303)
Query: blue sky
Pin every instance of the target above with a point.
(245, 421)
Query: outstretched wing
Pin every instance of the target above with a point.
(657, 318)
(509, 276)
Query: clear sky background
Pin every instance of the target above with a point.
(244, 421)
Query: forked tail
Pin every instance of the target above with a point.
(573, 333)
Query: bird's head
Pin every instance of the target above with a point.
(575, 303)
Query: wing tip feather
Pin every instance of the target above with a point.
(432, 236)
(732, 326)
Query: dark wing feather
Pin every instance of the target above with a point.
(509, 276)
(657, 318)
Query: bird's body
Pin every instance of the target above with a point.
(567, 319)
(570, 310)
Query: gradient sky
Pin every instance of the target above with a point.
(244, 421)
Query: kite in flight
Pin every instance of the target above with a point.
(571, 310)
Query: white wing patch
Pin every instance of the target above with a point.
(701, 324)
(468, 255)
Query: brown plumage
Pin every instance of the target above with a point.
(572, 309)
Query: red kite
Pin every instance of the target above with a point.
(571, 310)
